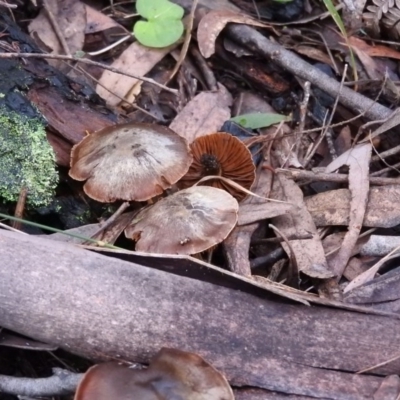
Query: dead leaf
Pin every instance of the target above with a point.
(333, 207)
(212, 24)
(389, 388)
(369, 274)
(250, 213)
(382, 289)
(309, 253)
(136, 58)
(376, 50)
(203, 115)
(97, 21)
(358, 160)
(391, 122)
(71, 19)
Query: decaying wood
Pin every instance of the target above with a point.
(102, 307)
(56, 96)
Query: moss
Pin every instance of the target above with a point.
(26, 159)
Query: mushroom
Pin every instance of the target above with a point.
(187, 222)
(172, 374)
(129, 162)
(223, 155)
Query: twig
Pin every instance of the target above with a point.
(135, 106)
(383, 171)
(5, 4)
(110, 220)
(328, 130)
(254, 40)
(208, 74)
(186, 42)
(384, 154)
(56, 27)
(63, 382)
(323, 177)
(303, 113)
(86, 61)
(19, 209)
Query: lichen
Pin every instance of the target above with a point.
(26, 159)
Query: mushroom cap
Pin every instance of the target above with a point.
(172, 374)
(187, 222)
(129, 162)
(224, 155)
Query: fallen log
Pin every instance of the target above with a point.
(101, 307)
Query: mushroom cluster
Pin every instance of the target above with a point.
(136, 162)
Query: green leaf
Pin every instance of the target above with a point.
(159, 33)
(259, 120)
(159, 9)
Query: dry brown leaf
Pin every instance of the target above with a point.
(309, 253)
(71, 19)
(135, 58)
(358, 160)
(97, 21)
(384, 288)
(369, 64)
(315, 54)
(333, 207)
(187, 222)
(212, 24)
(374, 51)
(254, 212)
(203, 115)
(369, 274)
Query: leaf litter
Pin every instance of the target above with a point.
(203, 216)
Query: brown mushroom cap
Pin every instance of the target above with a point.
(224, 155)
(187, 222)
(172, 374)
(130, 161)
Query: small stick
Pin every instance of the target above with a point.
(186, 42)
(323, 177)
(106, 224)
(19, 209)
(56, 27)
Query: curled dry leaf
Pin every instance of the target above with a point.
(173, 374)
(212, 24)
(221, 154)
(130, 161)
(187, 222)
(357, 159)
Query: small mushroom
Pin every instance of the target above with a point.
(130, 161)
(223, 155)
(172, 374)
(187, 222)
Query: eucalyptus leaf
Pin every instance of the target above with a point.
(159, 9)
(159, 33)
(259, 120)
